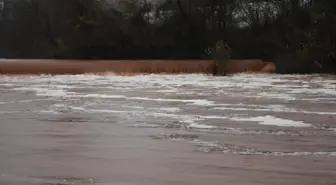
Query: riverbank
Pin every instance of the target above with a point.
(50, 66)
(132, 67)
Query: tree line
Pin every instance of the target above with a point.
(298, 35)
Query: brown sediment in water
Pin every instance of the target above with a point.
(102, 67)
(248, 66)
(127, 67)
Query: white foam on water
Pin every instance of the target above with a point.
(213, 117)
(325, 91)
(213, 146)
(201, 126)
(186, 119)
(201, 102)
(261, 86)
(53, 93)
(133, 107)
(271, 108)
(239, 109)
(190, 120)
(77, 108)
(186, 93)
(48, 112)
(169, 109)
(9, 112)
(100, 110)
(52, 86)
(104, 96)
(44, 91)
(319, 113)
(22, 101)
(249, 107)
(273, 95)
(7, 85)
(319, 99)
(173, 90)
(332, 129)
(170, 83)
(59, 105)
(144, 125)
(274, 121)
(296, 153)
(182, 118)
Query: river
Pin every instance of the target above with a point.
(168, 130)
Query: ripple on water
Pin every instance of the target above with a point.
(68, 119)
(152, 90)
(274, 121)
(213, 146)
(47, 180)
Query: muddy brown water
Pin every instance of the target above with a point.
(57, 67)
(168, 130)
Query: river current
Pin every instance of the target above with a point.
(168, 130)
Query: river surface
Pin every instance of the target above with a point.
(168, 130)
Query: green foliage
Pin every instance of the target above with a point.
(60, 50)
(87, 21)
(289, 32)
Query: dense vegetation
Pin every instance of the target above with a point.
(298, 35)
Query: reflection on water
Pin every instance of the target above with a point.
(166, 129)
(66, 120)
